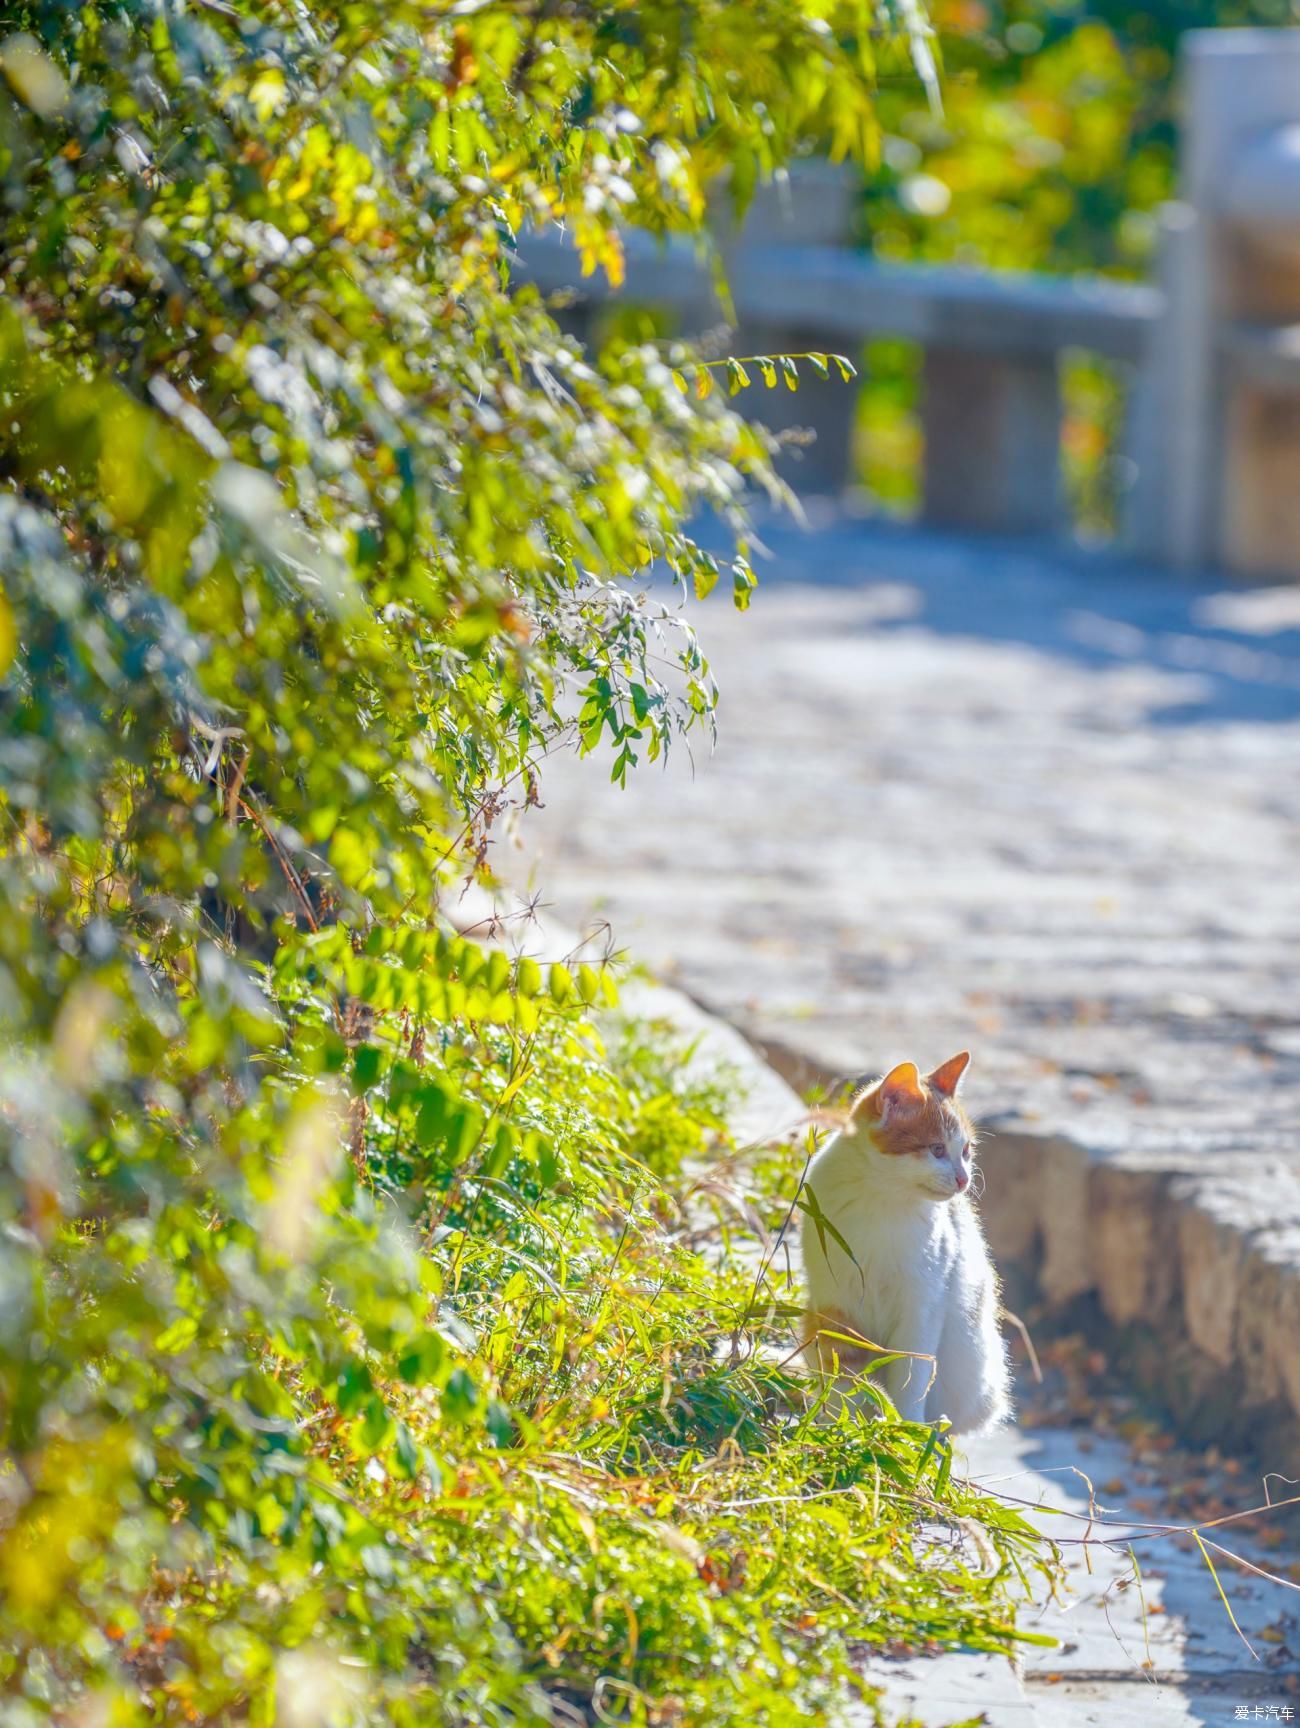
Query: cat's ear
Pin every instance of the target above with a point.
(947, 1076)
(898, 1093)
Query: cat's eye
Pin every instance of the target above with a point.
(938, 1151)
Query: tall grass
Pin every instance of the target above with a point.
(660, 1521)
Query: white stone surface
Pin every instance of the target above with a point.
(1161, 1650)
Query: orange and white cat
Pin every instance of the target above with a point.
(917, 1277)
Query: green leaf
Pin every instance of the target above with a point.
(808, 1203)
(422, 1360)
(502, 1152)
(376, 1425)
(431, 1122)
(366, 1067)
(705, 579)
(177, 1337)
(460, 1396)
(498, 971)
(743, 583)
(354, 1387)
(500, 1423)
(407, 1454)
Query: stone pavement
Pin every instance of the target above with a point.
(1159, 1654)
(1165, 1653)
(965, 796)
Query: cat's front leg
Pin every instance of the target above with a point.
(973, 1388)
(831, 1340)
(908, 1380)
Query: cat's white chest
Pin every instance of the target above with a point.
(898, 1258)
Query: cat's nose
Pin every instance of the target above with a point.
(963, 1181)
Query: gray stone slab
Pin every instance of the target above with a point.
(1159, 1649)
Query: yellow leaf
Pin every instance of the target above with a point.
(615, 268)
(268, 93)
(8, 636)
(32, 75)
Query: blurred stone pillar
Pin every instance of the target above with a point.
(1169, 413)
(814, 205)
(1224, 437)
(992, 441)
(1261, 509)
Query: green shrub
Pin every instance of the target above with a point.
(356, 1361)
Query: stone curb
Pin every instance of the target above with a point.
(1203, 1299)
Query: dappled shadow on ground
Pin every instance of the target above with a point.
(1225, 652)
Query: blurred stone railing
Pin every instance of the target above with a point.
(990, 401)
(1211, 352)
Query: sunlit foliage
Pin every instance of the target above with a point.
(357, 1358)
(1057, 138)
